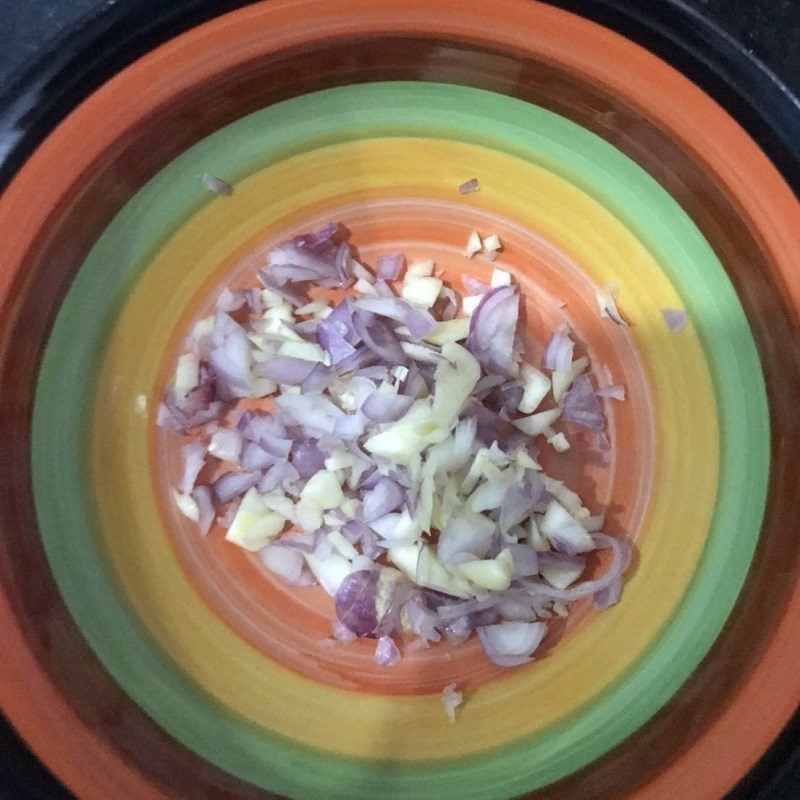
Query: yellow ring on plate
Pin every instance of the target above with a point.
(272, 697)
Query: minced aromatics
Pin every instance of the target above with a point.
(376, 433)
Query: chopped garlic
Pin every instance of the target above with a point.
(493, 574)
(474, 245)
(535, 386)
(491, 244)
(308, 516)
(270, 299)
(332, 520)
(419, 269)
(322, 491)
(563, 380)
(350, 506)
(308, 351)
(422, 292)
(420, 353)
(470, 302)
(536, 423)
(342, 545)
(421, 565)
(278, 502)
(524, 461)
(254, 525)
(558, 522)
(455, 378)
(365, 287)
(451, 330)
(226, 444)
(490, 495)
(282, 311)
(537, 539)
(500, 277)
(203, 328)
(386, 590)
(187, 505)
(186, 373)
(329, 571)
(398, 528)
(404, 440)
(314, 307)
(339, 459)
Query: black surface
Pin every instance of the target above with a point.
(770, 29)
(745, 53)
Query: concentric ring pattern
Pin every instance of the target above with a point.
(289, 626)
(576, 213)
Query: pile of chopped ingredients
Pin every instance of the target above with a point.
(389, 448)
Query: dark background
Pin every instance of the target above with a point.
(769, 30)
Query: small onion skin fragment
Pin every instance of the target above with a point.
(675, 319)
(217, 185)
(468, 186)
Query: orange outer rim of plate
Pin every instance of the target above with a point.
(769, 694)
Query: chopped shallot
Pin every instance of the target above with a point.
(385, 446)
(386, 652)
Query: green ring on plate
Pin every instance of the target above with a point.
(64, 395)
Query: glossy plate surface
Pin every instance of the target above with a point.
(590, 89)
